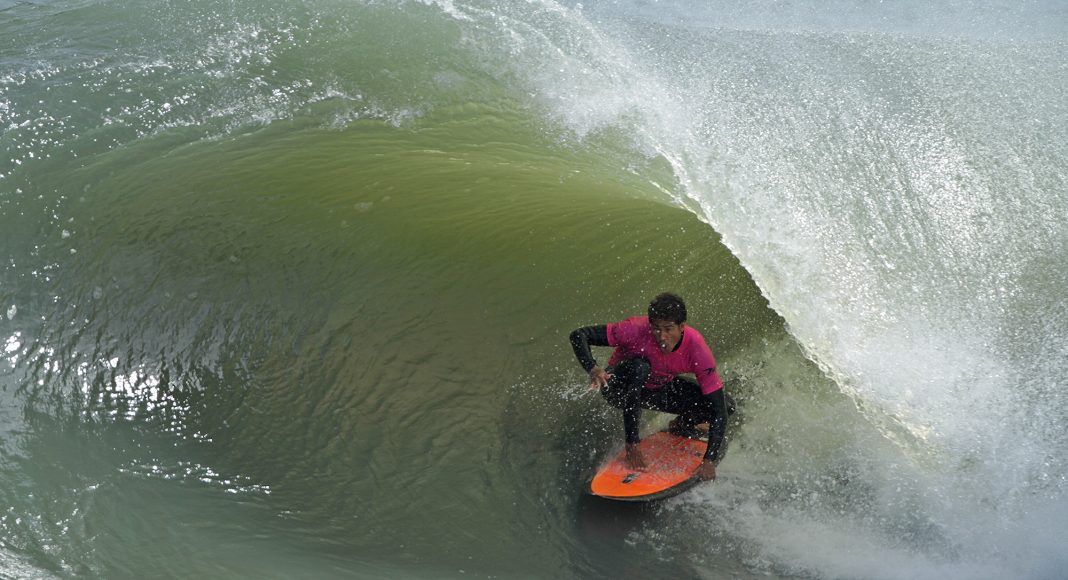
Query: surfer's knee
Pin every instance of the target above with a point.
(628, 379)
(633, 371)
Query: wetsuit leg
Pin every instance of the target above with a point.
(683, 397)
(680, 396)
(625, 391)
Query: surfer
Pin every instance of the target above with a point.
(650, 353)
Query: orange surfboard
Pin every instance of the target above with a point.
(671, 462)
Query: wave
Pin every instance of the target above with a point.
(220, 198)
(889, 189)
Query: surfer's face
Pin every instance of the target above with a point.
(667, 333)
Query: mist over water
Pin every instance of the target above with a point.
(296, 280)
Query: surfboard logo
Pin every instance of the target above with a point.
(630, 477)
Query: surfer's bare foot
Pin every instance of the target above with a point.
(679, 427)
(707, 471)
(635, 460)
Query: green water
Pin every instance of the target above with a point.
(344, 349)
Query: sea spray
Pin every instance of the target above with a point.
(891, 186)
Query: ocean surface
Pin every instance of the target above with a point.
(285, 287)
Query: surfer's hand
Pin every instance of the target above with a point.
(707, 470)
(598, 378)
(635, 460)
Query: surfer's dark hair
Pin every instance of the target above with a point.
(668, 306)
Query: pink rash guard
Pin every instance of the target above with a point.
(633, 338)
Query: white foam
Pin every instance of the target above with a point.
(877, 195)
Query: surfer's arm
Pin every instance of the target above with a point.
(717, 402)
(581, 341)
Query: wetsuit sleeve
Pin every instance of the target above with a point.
(717, 402)
(581, 341)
